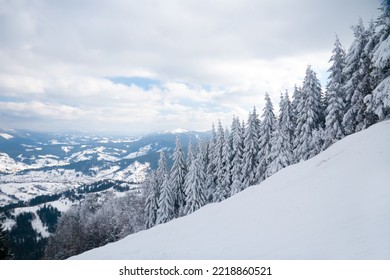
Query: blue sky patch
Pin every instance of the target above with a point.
(142, 82)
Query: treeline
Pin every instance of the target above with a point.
(72, 194)
(98, 220)
(357, 95)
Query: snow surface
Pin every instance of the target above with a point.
(334, 206)
(6, 136)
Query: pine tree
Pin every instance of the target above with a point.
(177, 177)
(162, 168)
(152, 197)
(281, 154)
(166, 206)
(5, 253)
(224, 171)
(357, 84)
(194, 186)
(335, 110)
(309, 117)
(379, 101)
(219, 164)
(267, 129)
(286, 119)
(251, 149)
(190, 153)
(237, 156)
(153, 184)
(211, 177)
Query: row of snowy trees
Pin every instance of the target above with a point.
(98, 220)
(357, 96)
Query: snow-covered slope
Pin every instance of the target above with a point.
(334, 206)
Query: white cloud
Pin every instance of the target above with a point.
(213, 58)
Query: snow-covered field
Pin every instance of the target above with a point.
(334, 206)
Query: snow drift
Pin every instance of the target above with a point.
(333, 206)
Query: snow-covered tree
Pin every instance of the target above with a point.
(190, 153)
(224, 170)
(166, 204)
(251, 149)
(237, 134)
(219, 164)
(162, 168)
(309, 116)
(335, 98)
(152, 188)
(177, 177)
(286, 118)
(281, 153)
(267, 128)
(195, 186)
(379, 101)
(153, 184)
(4, 246)
(211, 174)
(357, 86)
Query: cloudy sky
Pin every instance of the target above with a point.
(132, 67)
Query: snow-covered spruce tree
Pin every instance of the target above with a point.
(267, 128)
(162, 176)
(177, 177)
(5, 253)
(335, 108)
(251, 149)
(379, 101)
(190, 153)
(281, 153)
(310, 118)
(153, 184)
(152, 196)
(286, 120)
(211, 177)
(166, 206)
(357, 84)
(224, 170)
(162, 168)
(237, 135)
(219, 163)
(195, 185)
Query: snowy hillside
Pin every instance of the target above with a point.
(333, 206)
(34, 164)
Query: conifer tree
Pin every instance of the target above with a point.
(194, 186)
(224, 174)
(177, 177)
(267, 129)
(335, 110)
(237, 156)
(166, 207)
(190, 153)
(5, 253)
(211, 177)
(152, 197)
(357, 81)
(162, 168)
(219, 164)
(309, 117)
(379, 101)
(281, 154)
(286, 119)
(251, 149)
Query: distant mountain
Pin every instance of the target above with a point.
(34, 164)
(333, 206)
(48, 173)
